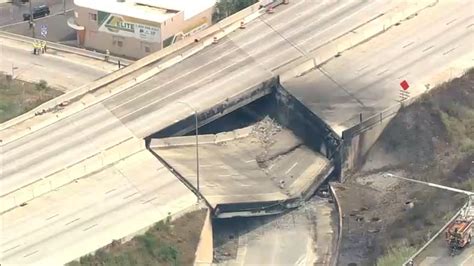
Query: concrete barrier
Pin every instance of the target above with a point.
(163, 143)
(358, 139)
(74, 171)
(67, 49)
(337, 248)
(205, 250)
(353, 37)
(219, 30)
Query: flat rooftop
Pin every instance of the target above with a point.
(150, 10)
(260, 163)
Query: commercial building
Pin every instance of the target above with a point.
(136, 28)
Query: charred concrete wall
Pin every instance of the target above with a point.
(358, 140)
(229, 105)
(315, 133)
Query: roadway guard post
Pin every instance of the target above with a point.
(107, 55)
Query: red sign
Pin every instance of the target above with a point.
(404, 85)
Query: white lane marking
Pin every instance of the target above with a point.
(31, 253)
(240, 47)
(406, 45)
(291, 168)
(335, 24)
(6, 250)
(466, 260)
(449, 51)
(304, 41)
(77, 219)
(250, 161)
(126, 197)
(51, 217)
(223, 81)
(426, 49)
(451, 21)
(301, 260)
(87, 228)
(111, 190)
(179, 90)
(152, 199)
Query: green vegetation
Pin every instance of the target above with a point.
(433, 140)
(396, 256)
(166, 243)
(18, 97)
(225, 8)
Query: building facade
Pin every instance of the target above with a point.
(136, 28)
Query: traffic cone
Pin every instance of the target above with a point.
(214, 40)
(242, 25)
(270, 10)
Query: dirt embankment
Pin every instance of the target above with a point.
(430, 140)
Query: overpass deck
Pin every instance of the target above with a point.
(427, 49)
(230, 68)
(259, 164)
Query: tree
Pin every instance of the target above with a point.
(225, 8)
(41, 87)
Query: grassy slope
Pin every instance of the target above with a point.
(18, 97)
(434, 140)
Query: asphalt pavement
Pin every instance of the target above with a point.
(13, 12)
(438, 254)
(50, 66)
(240, 60)
(246, 169)
(305, 236)
(423, 50)
(79, 218)
(203, 80)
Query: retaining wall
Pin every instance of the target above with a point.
(227, 106)
(318, 135)
(205, 249)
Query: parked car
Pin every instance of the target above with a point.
(38, 12)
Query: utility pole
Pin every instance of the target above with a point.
(197, 143)
(32, 25)
(64, 7)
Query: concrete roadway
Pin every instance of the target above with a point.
(67, 141)
(305, 236)
(230, 173)
(60, 70)
(242, 59)
(438, 254)
(12, 13)
(366, 79)
(85, 215)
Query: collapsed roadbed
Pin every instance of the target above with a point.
(252, 171)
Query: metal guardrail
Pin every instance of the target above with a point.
(230, 23)
(378, 118)
(412, 258)
(336, 250)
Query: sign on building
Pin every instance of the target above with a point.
(129, 27)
